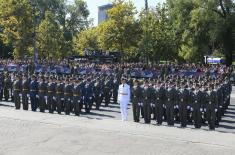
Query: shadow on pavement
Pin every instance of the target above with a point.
(96, 114)
(6, 105)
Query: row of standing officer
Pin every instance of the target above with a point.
(68, 95)
(5, 87)
(184, 103)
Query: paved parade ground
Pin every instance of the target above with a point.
(102, 132)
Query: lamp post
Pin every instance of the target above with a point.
(35, 52)
(146, 32)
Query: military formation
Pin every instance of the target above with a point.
(166, 96)
(184, 100)
(64, 93)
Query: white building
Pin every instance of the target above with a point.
(102, 12)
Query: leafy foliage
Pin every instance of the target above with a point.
(178, 30)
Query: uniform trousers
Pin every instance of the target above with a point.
(124, 110)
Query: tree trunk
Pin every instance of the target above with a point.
(228, 44)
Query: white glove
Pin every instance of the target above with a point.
(54, 98)
(45, 97)
(20, 95)
(216, 110)
(28, 95)
(201, 109)
(188, 107)
(191, 109)
(177, 106)
(37, 96)
(100, 95)
(205, 109)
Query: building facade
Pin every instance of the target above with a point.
(102, 12)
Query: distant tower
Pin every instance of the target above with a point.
(102, 12)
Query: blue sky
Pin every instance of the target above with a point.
(93, 6)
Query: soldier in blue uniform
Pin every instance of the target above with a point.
(97, 94)
(77, 92)
(170, 103)
(211, 104)
(33, 93)
(147, 102)
(159, 102)
(42, 87)
(183, 104)
(51, 94)
(68, 93)
(197, 102)
(87, 96)
(59, 95)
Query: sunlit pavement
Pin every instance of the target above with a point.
(102, 132)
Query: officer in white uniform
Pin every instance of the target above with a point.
(124, 98)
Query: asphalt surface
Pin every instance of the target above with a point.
(102, 132)
(113, 112)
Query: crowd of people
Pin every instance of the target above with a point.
(185, 93)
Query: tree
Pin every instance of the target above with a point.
(77, 17)
(16, 22)
(203, 26)
(50, 37)
(121, 31)
(19, 18)
(87, 39)
(225, 19)
(160, 39)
